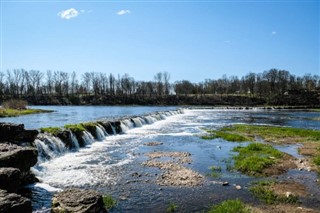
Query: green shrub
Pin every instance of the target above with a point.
(229, 206)
(255, 157)
(215, 171)
(172, 207)
(109, 202)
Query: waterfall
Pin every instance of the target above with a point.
(123, 127)
(74, 141)
(137, 122)
(149, 119)
(87, 138)
(49, 147)
(100, 132)
(128, 123)
(113, 129)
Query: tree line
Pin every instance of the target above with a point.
(21, 83)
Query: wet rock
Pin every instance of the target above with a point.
(15, 133)
(12, 155)
(10, 179)
(78, 200)
(153, 144)
(225, 183)
(238, 187)
(289, 194)
(136, 175)
(65, 137)
(107, 126)
(14, 203)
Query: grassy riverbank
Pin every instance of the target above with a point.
(17, 112)
(250, 159)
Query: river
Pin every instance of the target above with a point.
(114, 165)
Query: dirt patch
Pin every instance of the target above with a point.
(285, 188)
(175, 174)
(305, 164)
(309, 149)
(285, 163)
(153, 143)
(180, 177)
(283, 208)
(181, 157)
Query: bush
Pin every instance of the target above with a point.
(109, 202)
(15, 104)
(230, 206)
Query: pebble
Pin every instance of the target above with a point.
(288, 194)
(238, 187)
(225, 183)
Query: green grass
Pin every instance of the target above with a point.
(230, 206)
(275, 134)
(109, 202)
(172, 207)
(255, 157)
(76, 128)
(316, 160)
(89, 125)
(215, 171)
(17, 112)
(51, 130)
(212, 134)
(263, 192)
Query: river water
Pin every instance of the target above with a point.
(114, 165)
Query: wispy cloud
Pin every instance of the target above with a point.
(69, 13)
(123, 12)
(273, 32)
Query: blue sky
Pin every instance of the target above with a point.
(191, 40)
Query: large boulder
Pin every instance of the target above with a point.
(15, 133)
(10, 179)
(78, 201)
(14, 203)
(12, 155)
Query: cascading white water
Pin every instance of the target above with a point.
(137, 122)
(123, 127)
(100, 133)
(75, 142)
(128, 123)
(103, 129)
(87, 138)
(149, 119)
(113, 129)
(49, 147)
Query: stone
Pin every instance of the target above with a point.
(10, 179)
(225, 183)
(289, 194)
(238, 187)
(78, 201)
(15, 133)
(14, 203)
(12, 155)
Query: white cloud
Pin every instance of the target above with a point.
(273, 32)
(68, 14)
(123, 12)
